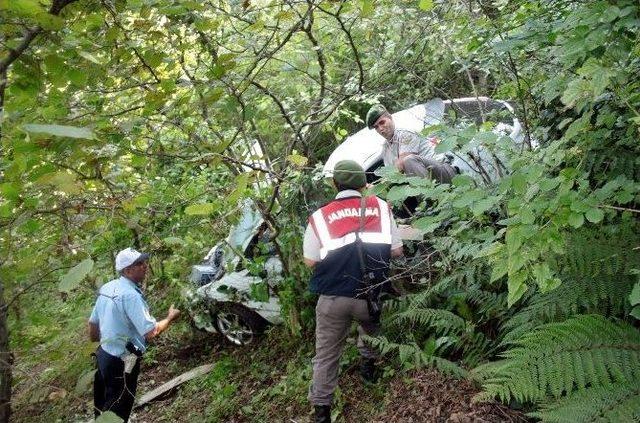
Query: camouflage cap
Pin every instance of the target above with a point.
(349, 174)
(374, 114)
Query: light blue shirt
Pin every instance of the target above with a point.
(122, 315)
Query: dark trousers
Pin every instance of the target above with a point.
(113, 390)
(415, 165)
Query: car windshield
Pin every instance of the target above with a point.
(245, 229)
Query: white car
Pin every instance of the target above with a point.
(365, 146)
(226, 297)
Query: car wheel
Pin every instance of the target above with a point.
(238, 325)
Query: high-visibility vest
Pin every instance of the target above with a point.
(339, 271)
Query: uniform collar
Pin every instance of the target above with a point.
(131, 283)
(348, 193)
(392, 140)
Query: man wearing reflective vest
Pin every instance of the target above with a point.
(330, 248)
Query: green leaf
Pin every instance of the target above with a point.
(173, 241)
(241, 186)
(514, 238)
(214, 95)
(498, 270)
(90, 57)
(22, 7)
(575, 128)
(543, 276)
(108, 417)
(550, 284)
(463, 180)
(468, 198)
(63, 180)
(297, 159)
(445, 145)
(11, 190)
(576, 220)
(426, 4)
(220, 148)
(635, 312)
(200, 209)
(594, 215)
(367, 8)
(526, 216)
(427, 224)
(575, 91)
(33, 10)
(398, 193)
(6, 210)
(516, 261)
(519, 182)
(600, 82)
(153, 58)
(516, 287)
(60, 130)
(579, 206)
(49, 21)
(634, 297)
(491, 250)
(482, 206)
(74, 276)
(259, 292)
(30, 226)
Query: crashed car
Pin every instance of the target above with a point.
(234, 288)
(365, 146)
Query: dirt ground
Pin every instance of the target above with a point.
(424, 395)
(429, 396)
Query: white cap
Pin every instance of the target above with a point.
(129, 256)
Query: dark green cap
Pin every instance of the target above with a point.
(349, 174)
(374, 114)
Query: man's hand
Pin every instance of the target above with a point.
(163, 324)
(310, 263)
(173, 313)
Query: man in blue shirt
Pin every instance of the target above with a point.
(120, 320)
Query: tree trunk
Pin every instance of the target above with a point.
(6, 361)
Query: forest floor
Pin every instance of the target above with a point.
(264, 382)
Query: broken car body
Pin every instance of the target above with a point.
(226, 296)
(234, 289)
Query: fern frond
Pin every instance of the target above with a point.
(425, 297)
(489, 305)
(596, 278)
(442, 321)
(617, 403)
(605, 251)
(476, 347)
(555, 359)
(605, 296)
(411, 353)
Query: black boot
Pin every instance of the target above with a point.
(368, 370)
(323, 414)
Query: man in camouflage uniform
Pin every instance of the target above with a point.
(409, 152)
